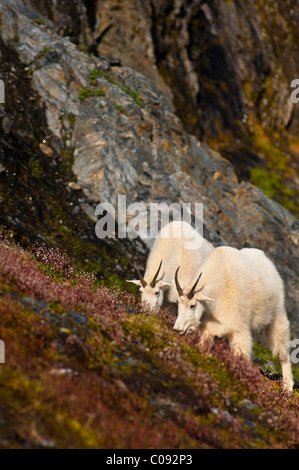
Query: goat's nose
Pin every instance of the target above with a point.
(177, 330)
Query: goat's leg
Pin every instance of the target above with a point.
(241, 342)
(278, 336)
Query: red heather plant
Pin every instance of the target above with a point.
(25, 335)
(77, 292)
(203, 434)
(262, 391)
(53, 257)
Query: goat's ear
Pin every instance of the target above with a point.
(201, 297)
(163, 284)
(135, 281)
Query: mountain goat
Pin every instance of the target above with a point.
(177, 243)
(237, 292)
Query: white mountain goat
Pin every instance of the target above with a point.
(237, 292)
(178, 243)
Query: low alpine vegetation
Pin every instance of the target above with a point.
(87, 367)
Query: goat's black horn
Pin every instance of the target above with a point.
(153, 283)
(191, 293)
(142, 280)
(179, 289)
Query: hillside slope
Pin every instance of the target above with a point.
(86, 367)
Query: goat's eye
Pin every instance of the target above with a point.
(193, 306)
(157, 293)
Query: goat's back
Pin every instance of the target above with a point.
(244, 282)
(178, 244)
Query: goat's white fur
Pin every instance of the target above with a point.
(178, 243)
(240, 291)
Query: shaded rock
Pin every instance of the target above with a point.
(6, 124)
(74, 185)
(46, 149)
(113, 61)
(37, 306)
(79, 318)
(247, 404)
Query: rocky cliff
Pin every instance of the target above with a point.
(226, 68)
(229, 66)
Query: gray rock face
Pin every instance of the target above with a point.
(127, 141)
(228, 66)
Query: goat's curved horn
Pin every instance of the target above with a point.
(179, 289)
(142, 280)
(191, 293)
(153, 283)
